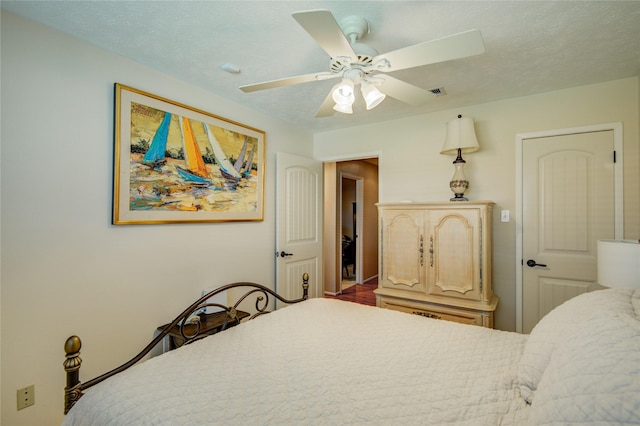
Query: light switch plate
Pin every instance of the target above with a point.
(504, 215)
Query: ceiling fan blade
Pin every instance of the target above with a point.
(455, 46)
(403, 91)
(326, 109)
(289, 81)
(325, 30)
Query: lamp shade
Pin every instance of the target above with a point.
(460, 134)
(619, 263)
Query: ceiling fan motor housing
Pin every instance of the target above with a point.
(354, 28)
(341, 63)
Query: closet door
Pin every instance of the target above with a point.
(454, 242)
(402, 250)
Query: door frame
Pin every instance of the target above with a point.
(617, 129)
(332, 256)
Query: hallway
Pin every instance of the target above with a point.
(359, 293)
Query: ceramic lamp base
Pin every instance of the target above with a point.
(459, 183)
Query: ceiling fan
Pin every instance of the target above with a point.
(359, 64)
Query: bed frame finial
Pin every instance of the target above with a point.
(73, 391)
(305, 286)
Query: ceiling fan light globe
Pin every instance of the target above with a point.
(345, 91)
(372, 96)
(343, 94)
(343, 108)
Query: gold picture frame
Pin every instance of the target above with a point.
(178, 164)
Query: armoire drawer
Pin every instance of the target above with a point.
(439, 312)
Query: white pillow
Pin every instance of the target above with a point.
(557, 326)
(594, 375)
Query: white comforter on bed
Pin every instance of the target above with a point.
(321, 362)
(331, 362)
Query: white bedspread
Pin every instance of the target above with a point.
(322, 362)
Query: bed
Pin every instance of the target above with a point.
(326, 361)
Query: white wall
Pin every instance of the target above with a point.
(411, 167)
(65, 269)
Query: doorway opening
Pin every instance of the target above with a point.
(350, 224)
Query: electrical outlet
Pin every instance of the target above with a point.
(504, 216)
(26, 397)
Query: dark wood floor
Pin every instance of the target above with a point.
(359, 293)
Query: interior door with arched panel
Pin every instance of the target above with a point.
(298, 225)
(568, 203)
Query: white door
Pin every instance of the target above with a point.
(298, 225)
(568, 204)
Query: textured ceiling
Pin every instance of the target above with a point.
(531, 47)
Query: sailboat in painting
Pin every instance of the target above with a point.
(241, 168)
(156, 154)
(226, 168)
(240, 161)
(196, 172)
(247, 170)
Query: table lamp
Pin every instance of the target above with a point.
(461, 137)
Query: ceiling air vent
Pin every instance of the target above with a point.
(439, 91)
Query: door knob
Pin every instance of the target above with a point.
(531, 263)
(285, 254)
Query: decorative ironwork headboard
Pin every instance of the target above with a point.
(74, 388)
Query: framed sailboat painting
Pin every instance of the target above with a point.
(177, 164)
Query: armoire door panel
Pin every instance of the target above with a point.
(403, 248)
(456, 253)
